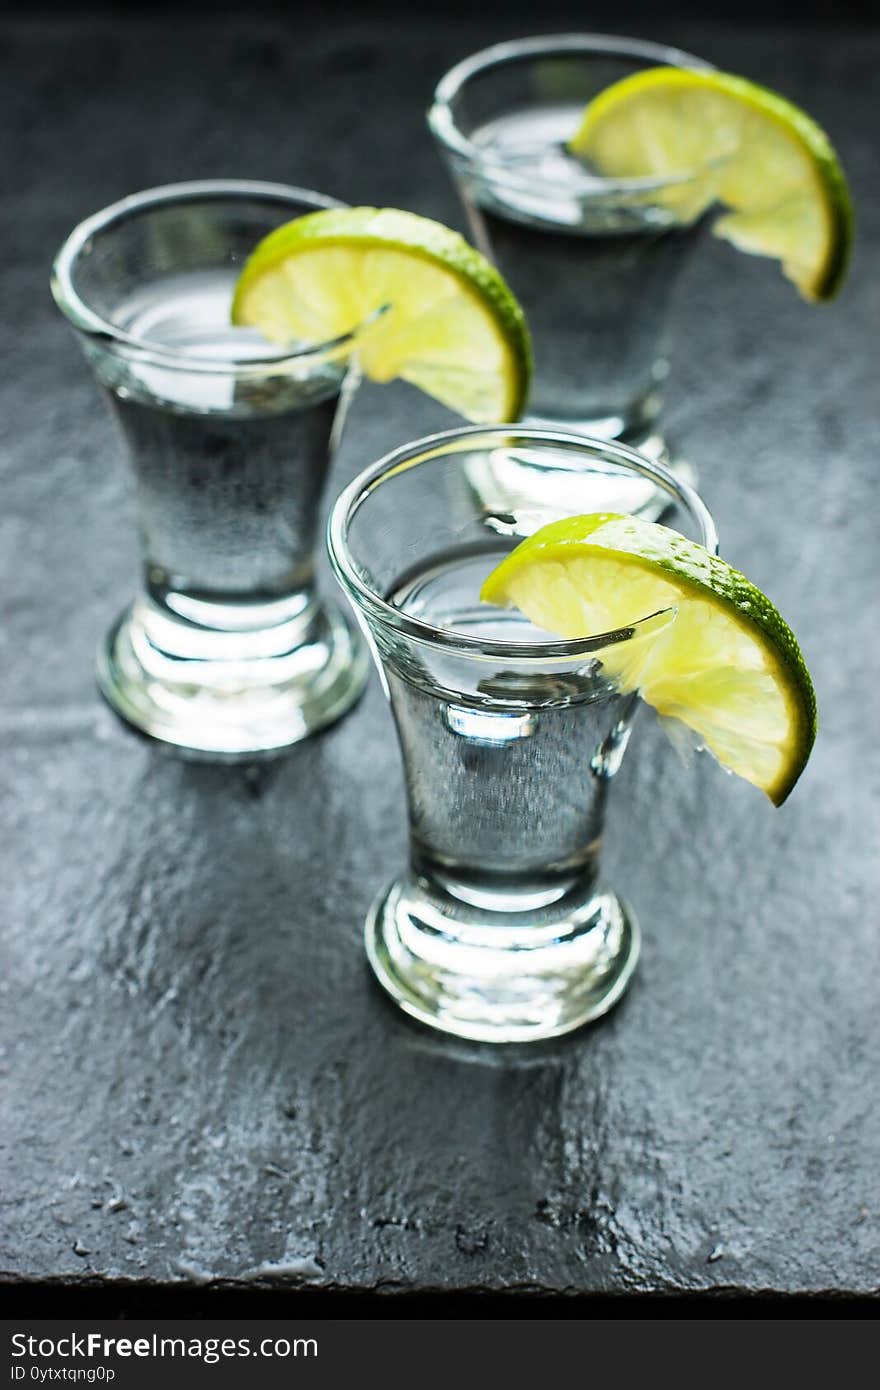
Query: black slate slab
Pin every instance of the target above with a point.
(201, 1083)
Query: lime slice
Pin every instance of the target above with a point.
(728, 666)
(450, 324)
(764, 158)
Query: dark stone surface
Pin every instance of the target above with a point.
(201, 1082)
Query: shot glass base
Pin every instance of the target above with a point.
(218, 706)
(505, 481)
(484, 982)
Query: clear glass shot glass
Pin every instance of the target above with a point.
(593, 261)
(501, 929)
(227, 651)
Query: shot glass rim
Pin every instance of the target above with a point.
(458, 440)
(87, 321)
(444, 127)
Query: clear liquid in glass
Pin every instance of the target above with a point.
(506, 778)
(593, 271)
(230, 469)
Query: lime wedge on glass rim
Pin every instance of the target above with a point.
(425, 306)
(761, 156)
(727, 665)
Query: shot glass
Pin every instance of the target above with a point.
(227, 651)
(592, 260)
(501, 929)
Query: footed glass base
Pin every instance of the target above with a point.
(506, 980)
(227, 694)
(506, 480)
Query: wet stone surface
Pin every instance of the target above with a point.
(200, 1081)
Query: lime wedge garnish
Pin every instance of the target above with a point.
(450, 324)
(728, 666)
(768, 161)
